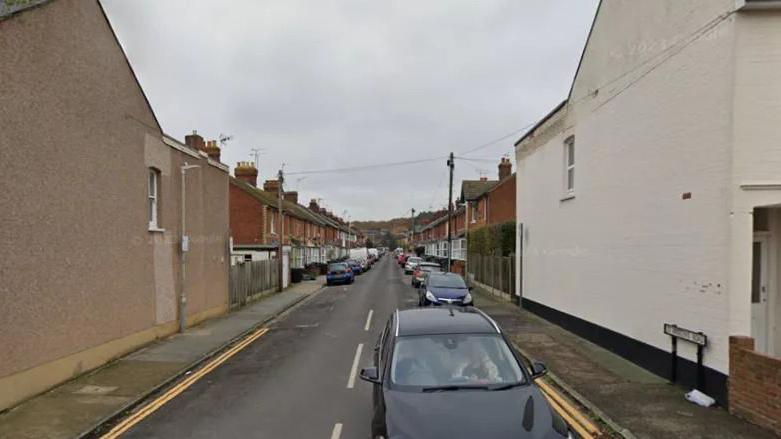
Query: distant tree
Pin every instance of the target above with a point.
(369, 243)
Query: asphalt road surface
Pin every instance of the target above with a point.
(298, 380)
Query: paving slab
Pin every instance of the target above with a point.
(81, 404)
(637, 400)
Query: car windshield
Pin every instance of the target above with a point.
(451, 281)
(337, 267)
(432, 361)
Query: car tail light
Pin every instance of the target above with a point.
(349, 270)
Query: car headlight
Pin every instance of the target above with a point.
(468, 298)
(430, 296)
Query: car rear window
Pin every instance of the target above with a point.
(337, 267)
(453, 359)
(445, 281)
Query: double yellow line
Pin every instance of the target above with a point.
(174, 391)
(580, 423)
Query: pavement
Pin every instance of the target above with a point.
(79, 405)
(632, 399)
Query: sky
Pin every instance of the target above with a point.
(331, 84)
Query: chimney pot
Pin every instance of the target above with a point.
(271, 185)
(212, 150)
(291, 196)
(247, 172)
(195, 141)
(505, 168)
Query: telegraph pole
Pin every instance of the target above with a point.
(280, 250)
(412, 234)
(450, 164)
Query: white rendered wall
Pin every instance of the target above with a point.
(628, 253)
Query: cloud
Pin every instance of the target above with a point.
(330, 84)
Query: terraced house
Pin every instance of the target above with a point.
(311, 234)
(93, 248)
(481, 203)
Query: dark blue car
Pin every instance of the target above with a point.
(355, 266)
(339, 273)
(444, 289)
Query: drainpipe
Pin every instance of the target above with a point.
(184, 248)
(466, 239)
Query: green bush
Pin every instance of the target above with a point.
(495, 240)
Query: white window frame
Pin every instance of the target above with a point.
(273, 223)
(475, 213)
(569, 168)
(153, 199)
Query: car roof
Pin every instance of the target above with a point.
(446, 274)
(444, 320)
(429, 264)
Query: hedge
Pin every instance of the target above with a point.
(495, 240)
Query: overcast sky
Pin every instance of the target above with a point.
(322, 85)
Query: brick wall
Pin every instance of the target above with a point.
(246, 217)
(501, 204)
(754, 384)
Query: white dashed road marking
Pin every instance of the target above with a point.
(354, 369)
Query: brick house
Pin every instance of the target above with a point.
(311, 233)
(433, 238)
(91, 208)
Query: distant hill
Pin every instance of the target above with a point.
(396, 225)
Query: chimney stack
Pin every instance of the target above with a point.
(271, 186)
(505, 168)
(483, 178)
(291, 196)
(247, 172)
(195, 141)
(212, 150)
(313, 205)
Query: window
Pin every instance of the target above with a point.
(154, 199)
(480, 360)
(273, 226)
(474, 212)
(569, 165)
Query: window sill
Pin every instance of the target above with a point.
(567, 197)
(155, 230)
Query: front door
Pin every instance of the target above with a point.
(759, 292)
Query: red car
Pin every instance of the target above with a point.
(403, 259)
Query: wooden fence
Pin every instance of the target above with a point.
(251, 279)
(497, 272)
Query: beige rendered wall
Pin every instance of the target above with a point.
(82, 279)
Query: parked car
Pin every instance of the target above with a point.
(356, 266)
(444, 289)
(339, 273)
(450, 373)
(422, 270)
(402, 259)
(412, 262)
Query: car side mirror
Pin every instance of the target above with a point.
(539, 369)
(471, 287)
(371, 375)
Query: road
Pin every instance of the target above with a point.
(298, 380)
